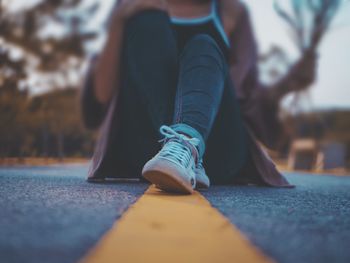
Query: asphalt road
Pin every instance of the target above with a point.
(50, 214)
(310, 223)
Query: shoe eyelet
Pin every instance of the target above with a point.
(192, 181)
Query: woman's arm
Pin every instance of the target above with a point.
(107, 73)
(107, 68)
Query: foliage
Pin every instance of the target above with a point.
(49, 124)
(45, 125)
(323, 126)
(24, 29)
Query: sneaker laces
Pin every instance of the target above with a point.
(177, 146)
(200, 164)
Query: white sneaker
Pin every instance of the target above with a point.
(172, 169)
(202, 180)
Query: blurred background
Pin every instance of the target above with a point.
(45, 46)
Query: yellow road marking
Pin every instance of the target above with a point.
(161, 227)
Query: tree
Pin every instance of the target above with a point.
(13, 105)
(29, 46)
(29, 30)
(309, 20)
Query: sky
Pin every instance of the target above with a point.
(332, 88)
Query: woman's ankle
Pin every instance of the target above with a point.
(192, 133)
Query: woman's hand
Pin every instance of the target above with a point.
(127, 8)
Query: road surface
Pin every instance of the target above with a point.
(51, 214)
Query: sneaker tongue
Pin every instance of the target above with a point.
(193, 149)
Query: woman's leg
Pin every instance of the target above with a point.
(206, 101)
(202, 75)
(227, 150)
(151, 59)
(149, 84)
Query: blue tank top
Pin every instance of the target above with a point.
(210, 24)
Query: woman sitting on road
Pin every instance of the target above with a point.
(183, 72)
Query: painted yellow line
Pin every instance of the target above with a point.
(161, 227)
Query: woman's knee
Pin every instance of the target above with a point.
(203, 45)
(148, 23)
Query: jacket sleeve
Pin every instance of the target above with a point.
(92, 111)
(259, 114)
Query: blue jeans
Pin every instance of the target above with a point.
(187, 88)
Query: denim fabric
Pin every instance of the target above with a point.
(201, 82)
(190, 131)
(186, 88)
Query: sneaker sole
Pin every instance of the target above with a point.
(201, 186)
(202, 182)
(164, 177)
